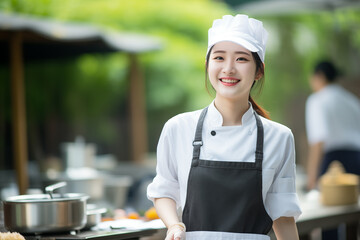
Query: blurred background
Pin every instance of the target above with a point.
(109, 107)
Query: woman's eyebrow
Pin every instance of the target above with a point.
(219, 51)
(237, 52)
(241, 52)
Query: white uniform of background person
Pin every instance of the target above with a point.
(229, 144)
(333, 117)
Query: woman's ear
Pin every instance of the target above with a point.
(259, 74)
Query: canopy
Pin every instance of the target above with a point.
(49, 39)
(29, 38)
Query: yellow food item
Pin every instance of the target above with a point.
(133, 215)
(151, 214)
(11, 236)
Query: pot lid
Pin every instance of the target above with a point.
(37, 198)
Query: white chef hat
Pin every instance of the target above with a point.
(245, 31)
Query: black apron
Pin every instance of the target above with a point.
(226, 196)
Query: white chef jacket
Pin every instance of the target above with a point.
(230, 143)
(333, 117)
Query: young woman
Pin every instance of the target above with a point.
(227, 171)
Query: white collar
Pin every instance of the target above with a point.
(215, 118)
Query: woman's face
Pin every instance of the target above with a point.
(231, 70)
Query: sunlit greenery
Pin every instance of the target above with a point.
(89, 93)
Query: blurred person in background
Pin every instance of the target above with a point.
(332, 124)
(228, 167)
(333, 127)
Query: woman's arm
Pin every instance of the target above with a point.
(166, 209)
(285, 228)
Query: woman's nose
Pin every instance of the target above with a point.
(228, 68)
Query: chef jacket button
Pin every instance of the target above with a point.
(213, 133)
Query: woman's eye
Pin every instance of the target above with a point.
(241, 59)
(218, 58)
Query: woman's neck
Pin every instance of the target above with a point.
(231, 111)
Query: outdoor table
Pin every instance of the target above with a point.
(316, 216)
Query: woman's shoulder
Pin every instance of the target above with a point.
(184, 119)
(273, 127)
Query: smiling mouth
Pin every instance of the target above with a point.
(229, 81)
(224, 80)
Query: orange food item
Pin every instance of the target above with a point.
(133, 215)
(151, 214)
(106, 219)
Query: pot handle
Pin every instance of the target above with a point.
(50, 189)
(96, 211)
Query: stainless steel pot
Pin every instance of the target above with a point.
(40, 213)
(93, 215)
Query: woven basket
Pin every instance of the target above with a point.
(338, 187)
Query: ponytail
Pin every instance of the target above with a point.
(258, 109)
(260, 69)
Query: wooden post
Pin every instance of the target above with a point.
(139, 144)
(18, 112)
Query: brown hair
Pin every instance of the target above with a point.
(259, 70)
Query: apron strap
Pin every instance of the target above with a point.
(197, 143)
(259, 142)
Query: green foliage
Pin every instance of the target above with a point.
(93, 88)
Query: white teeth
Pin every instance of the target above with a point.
(229, 80)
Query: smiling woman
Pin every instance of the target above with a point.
(209, 160)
